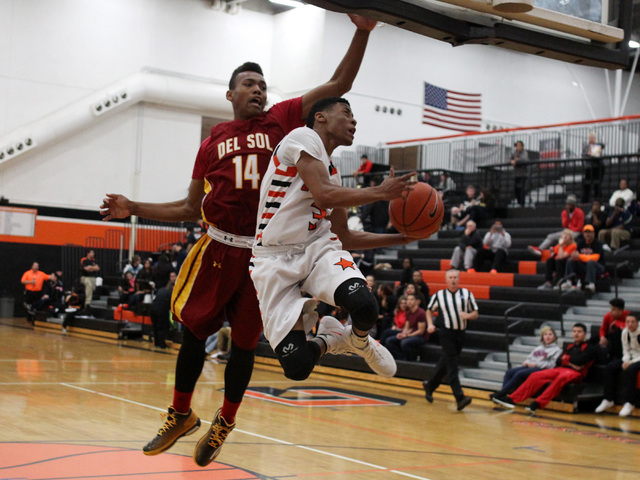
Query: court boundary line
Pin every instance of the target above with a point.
(264, 437)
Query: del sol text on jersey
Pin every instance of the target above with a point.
(254, 140)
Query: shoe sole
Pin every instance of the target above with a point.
(504, 404)
(167, 447)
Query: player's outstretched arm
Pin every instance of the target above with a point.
(342, 79)
(185, 210)
(352, 240)
(327, 195)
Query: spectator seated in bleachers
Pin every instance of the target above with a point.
(161, 272)
(127, 287)
(618, 226)
(146, 273)
(478, 211)
(410, 289)
(556, 264)
(572, 218)
(572, 367)
(407, 274)
(612, 325)
(134, 266)
(625, 193)
(426, 177)
(421, 287)
(74, 305)
(597, 216)
(628, 366)
(406, 344)
(543, 356)
(399, 318)
(386, 306)
(459, 212)
(446, 184)
(586, 260)
(465, 252)
(495, 248)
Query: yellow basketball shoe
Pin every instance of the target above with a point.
(209, 446)
(176, 425)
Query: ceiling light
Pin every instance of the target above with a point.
(288, 3)
(634, 44)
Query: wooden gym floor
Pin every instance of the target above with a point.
(74, 408)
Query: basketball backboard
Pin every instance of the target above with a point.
(585, 32)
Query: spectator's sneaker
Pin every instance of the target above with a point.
(546, 286)
(493, 271)
(627, 409)
(471, 270)
(533, 406)
(535, 250)
(428, 393)
(591, 287)
(504, 400)
(209, 446)
(335, 335)
(64, 331)
(566, 285)
(176, 425)
(463, 402)
(604, 405)
(377, 357)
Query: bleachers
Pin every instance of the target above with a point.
(483, 360)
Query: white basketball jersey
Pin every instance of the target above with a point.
(286, 212)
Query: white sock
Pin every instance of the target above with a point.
(358, 341)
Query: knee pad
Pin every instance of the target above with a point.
(297, 356)
(355, 297)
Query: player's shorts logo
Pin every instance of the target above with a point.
(344, 263)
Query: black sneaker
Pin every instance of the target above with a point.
(428, 393)
(533, 406)
(504, 400)
(176, 425)
(209, 446)
(463, 402)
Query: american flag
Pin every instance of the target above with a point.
(452, 110)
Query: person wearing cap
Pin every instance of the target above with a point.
(618, 225)
(518, 158)
(572, 218)
(587, 260)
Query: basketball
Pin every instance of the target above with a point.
(419, 212)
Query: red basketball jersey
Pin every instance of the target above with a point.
(233, 160)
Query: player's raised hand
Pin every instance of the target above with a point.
(362, 23)
(115, 206)
(393, 187)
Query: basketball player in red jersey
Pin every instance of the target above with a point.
(214, 283)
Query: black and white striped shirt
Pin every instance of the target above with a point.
(451, 305)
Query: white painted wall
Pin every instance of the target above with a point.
(54, 52)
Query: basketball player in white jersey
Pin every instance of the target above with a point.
(301, 245)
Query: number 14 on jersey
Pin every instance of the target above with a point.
(249, 173)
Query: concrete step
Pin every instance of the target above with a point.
(493, 365)
(479, 384)
(484, 374)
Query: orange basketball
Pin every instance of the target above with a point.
(417, 213)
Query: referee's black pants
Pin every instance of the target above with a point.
(451, 342)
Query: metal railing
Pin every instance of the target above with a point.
(617, 266)
(508, 326)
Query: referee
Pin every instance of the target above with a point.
(457, 306)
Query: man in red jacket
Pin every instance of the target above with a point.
(572, 218)
(573, 366)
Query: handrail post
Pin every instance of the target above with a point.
(506, 329)
(615, 268)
